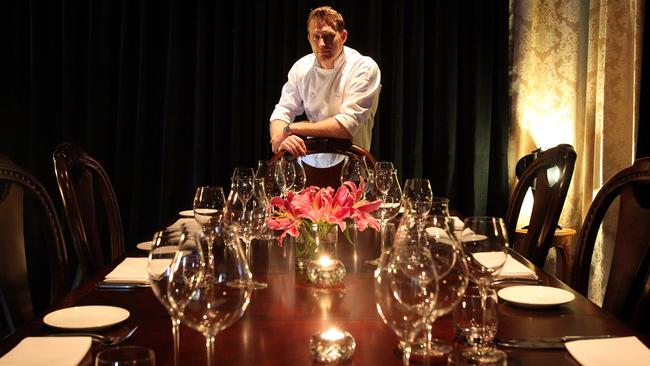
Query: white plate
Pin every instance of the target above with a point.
(146, 246)
(187, 213)
(91, 317)
(536, 296)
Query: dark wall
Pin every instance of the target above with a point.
(169, 95)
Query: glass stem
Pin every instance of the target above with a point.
(211, 238)
(176, 322)
(406, 353)
(481, 344)
(429, 328)
(382, 235)
(249, 255)
(209, 349)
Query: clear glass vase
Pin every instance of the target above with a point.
(314, 241)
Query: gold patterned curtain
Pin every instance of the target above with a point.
(575, 79)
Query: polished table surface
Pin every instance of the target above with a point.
(279, 321)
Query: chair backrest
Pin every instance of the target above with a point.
(549, 174)
(324, 177)
(34, 261)
(627, 295)
(90, 206)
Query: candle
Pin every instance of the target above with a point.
(332, 345)
(325, 272)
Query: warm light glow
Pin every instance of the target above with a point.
(325, 261)
(332, 334)
(548, 121)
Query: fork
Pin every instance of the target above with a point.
(104, 340)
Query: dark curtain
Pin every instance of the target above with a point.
(169, 95)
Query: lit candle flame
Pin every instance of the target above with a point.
(325, 261)
(332, 334)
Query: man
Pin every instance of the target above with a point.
(336, 87)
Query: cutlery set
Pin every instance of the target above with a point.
(547, 342)
(104, 340)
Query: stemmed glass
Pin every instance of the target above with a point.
(354, 169)
(252, 222)
(265, 172)
(285, 174)
(390, 205)
(210, 304)
(485, 243)
(451, 268)
(164, 248)
(209, 202)
(244, 190)
(418, 196)
(406, 287)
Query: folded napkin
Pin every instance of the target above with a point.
(131, 270)
(627, 351)
(514, 268)
(511, 268)
(457, 222)
(51, 351)
(189, 222)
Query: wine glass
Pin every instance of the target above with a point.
(252, 222)
(212, 305)
(354, 170)
(209, 203)
(451, 268)
(485, 243)
(284, 174)
(244, 190)
(384, 176)
(164, 248)
(265, 172)
(237, 173)
(406, 287)
(301, 179)
(390, 204)
(418, 196)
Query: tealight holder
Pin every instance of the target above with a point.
(331, 346)
(325, 272)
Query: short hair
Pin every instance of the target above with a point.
(328, 15)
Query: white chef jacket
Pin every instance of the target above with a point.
(349, 92)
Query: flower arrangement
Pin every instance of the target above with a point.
(325, 208)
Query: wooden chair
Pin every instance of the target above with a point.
(90, 207)
(548, 202)
(627, 295)
(34, 262)
(323, 177)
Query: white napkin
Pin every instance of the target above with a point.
(457, 222)
(627, 351)
(130, 270)
(189, 222)
(51, 351)
(514, 268)
(511, 267)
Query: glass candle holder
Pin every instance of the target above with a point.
(331, 346)
(325, 272)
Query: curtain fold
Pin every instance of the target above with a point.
(576, 76)
(169, 95)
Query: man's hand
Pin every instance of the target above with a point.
(293, 145)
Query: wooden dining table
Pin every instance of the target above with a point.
(279, 321)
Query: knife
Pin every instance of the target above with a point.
(121, 285)
(547, 342)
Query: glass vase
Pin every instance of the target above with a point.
(314, 240)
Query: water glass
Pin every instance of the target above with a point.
(467, 318)
(126, 356)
